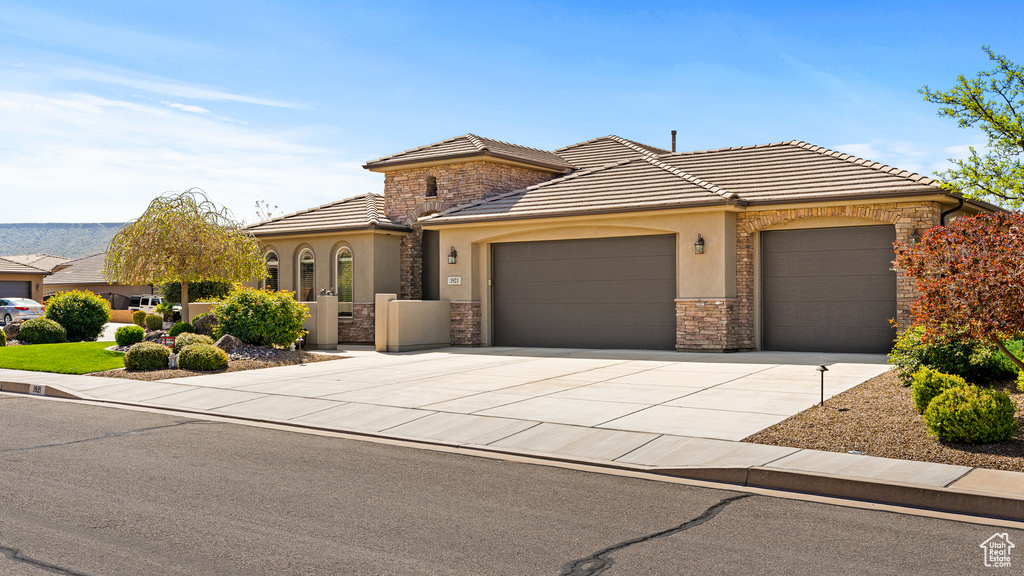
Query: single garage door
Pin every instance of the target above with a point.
(15, 289)
(828, 289)
(597, 293)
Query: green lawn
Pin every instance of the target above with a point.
(68, 358)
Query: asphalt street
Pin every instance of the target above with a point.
(89, 490)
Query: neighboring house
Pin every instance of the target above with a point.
(46, 262)
(21, 280)
(614, 244)
(87, 274)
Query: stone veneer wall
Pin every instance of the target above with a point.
(708, 324)
(405, 199)
(906, 216)
(360, 328)
(466, 330)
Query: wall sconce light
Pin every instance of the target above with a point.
(915, 237)
(452, 255)
(698, 246)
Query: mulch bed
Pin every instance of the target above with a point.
(878, 418)
(276, 358)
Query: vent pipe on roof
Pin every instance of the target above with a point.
(673, 140)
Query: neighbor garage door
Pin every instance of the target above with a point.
(15, 289)
(828, 289)
(598, 293)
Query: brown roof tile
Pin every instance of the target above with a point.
(88, 270)
(357, 213)
(471, 145)
(632, 176)
(42, 261)
(10, 267)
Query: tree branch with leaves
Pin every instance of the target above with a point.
(183, 237)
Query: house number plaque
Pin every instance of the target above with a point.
(455, 280)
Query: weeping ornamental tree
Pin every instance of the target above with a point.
(970, 274)
(183, 238)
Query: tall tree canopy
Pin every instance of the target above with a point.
(183, 237)
(970, 274)
(992, 102)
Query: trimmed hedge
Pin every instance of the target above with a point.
(42, 331)
(128, 335)
(260, 317)
(189, 338)
(181, 327)
(81, 313)
(975, 361)
(154, 322)
(203, 357)
(139, 318)
(146, 356)
(971, 414)
(930, 383)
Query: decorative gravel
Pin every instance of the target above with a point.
(245, 358)
(878, 418)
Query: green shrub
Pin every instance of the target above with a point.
(189, 338)
(146, 356)
(928, 384)
(260, 317)
(80, 312)
(154, 321)
(139, 318)
(974, 361)
(971, 414)
(42, 331)
(128, 335)
(3, 338)
(203, 357)
(181, 327)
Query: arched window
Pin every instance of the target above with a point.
(307, 276)
(345, 282)
(272, 266)
(431, 186)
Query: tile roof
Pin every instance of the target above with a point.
(356, 213)
(605, 150)
(42, 261)
(471, 145)
(11, 267)
(88, 270)
(638, 177)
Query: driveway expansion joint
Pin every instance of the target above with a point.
(600, 561)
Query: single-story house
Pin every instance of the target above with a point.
(18, 280)
(87, 274)
(610, 243)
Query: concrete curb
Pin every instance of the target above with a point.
(790, 480)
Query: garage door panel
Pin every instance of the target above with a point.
(595, 293)
(828, 289)
(15, 289)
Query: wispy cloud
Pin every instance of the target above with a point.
(86, 158)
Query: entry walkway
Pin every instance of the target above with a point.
(673, 412)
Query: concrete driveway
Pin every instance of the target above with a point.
(722, 396)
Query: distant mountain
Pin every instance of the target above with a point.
(71, 240)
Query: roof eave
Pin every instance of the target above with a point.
(585, 212)
(308, 231)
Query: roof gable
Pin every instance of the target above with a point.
(470, 146)
(356, 213)
(11, 267)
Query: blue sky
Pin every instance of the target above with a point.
(105, 105)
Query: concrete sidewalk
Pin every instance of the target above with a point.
(668, 412)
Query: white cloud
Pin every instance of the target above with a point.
(81, 158)
(185, 107)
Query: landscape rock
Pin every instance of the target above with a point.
(154, 336)
(228, 343)
(11, 330)
(204, 324)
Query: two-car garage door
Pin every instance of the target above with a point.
(589, 293)
(15, 289)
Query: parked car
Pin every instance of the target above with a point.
(12, 309)
(148, 303)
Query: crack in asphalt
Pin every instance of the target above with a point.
(105, 436)
(15, 555)
(600, 561)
